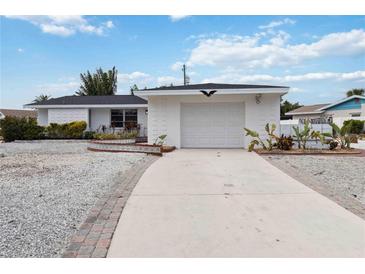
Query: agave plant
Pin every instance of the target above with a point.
(266, 144)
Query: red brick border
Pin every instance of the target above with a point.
(94, 236)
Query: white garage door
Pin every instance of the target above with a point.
(212, 125)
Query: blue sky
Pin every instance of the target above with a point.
(319, 57)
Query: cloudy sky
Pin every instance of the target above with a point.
(319, 57)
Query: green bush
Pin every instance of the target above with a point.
(88, 135)
(72, 130)
(128, 134)
(355, 126)
(106, 136)
(116, 136)
(284, 142)
(13, 128)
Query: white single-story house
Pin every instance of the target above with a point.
(96, 111)
(192, 116)
(211, 115)
(352, 107)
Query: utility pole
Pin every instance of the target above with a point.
(184, 71)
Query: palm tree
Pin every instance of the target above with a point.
(355, 91)
(99, 83)
(42, 98)
(134, 88)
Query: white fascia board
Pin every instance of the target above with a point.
(304, 113)
(342, 101)
(146, 93)
(88, 106)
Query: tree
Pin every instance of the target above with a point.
(134, 88)
(99, 83)
(286, 106)
(356, 91)
(42, 98)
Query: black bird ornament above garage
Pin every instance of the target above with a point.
(208, 94)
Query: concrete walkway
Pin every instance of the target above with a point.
(231, 203)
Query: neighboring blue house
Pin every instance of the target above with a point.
(349, 108)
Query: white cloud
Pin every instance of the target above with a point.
(274, 24)
(248, 51)
(59, 88)
(65, 25)
(109, 24)
(20, 50)
(175, 18)
(136, 76)
(177, 66)
(168, 80)
(266, 78)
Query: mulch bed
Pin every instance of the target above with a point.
(94, 236)
(336, 152)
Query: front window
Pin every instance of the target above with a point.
(126, 118)
(130, 120)
(117, 118)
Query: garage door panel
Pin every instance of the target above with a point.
(212, 125)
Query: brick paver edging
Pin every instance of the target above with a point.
(94, 236)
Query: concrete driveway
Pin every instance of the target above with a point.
(231, 203)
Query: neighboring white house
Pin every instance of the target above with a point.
(349, 108)
(211, 115)
(17, 113)
(97, 111)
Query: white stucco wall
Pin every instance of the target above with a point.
(164, 113)
(99, 117)
(142, 120)
(42, 117)
(66, 115)
(95, 117)
(342, 112)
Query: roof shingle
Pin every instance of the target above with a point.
(214, 86)
(93, 100)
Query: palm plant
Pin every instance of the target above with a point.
(340, 134)
(42, 98)
(266, 144)
(302, 136)
(99, 83)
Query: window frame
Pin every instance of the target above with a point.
(124, 120)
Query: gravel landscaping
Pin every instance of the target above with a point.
(46, 191)
(341, 179)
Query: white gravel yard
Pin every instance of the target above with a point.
(343, 177)
(46, 190)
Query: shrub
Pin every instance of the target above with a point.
(355, 126)
(333, 144)
(284, 142)
(88, 135)
(132, 134)
(105, 136)
(72, 130)
(75, 129)
(13, 128)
